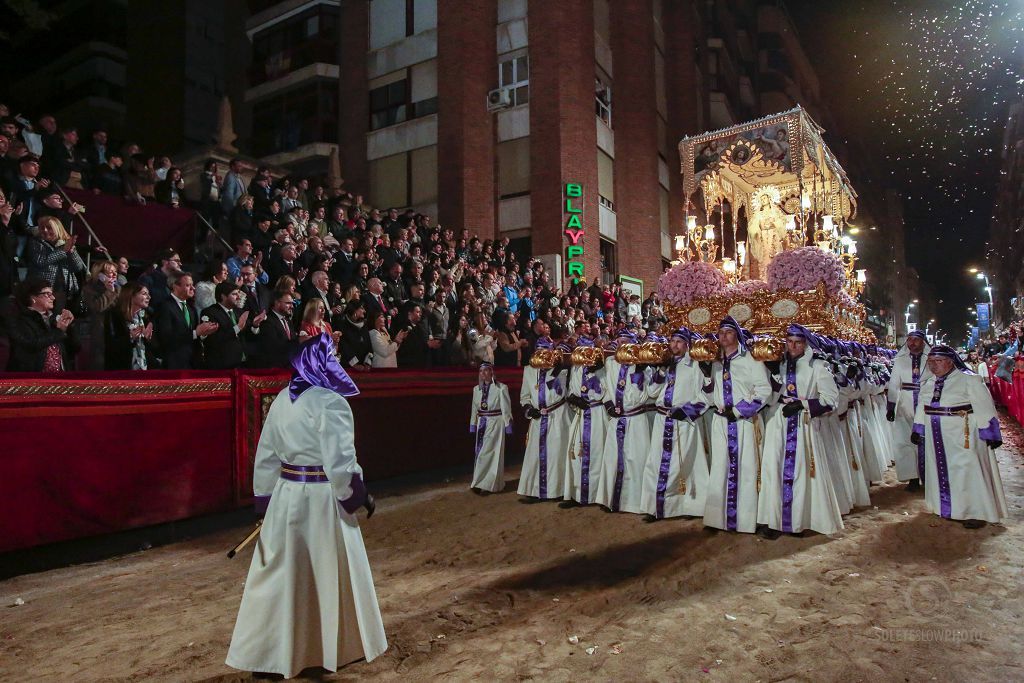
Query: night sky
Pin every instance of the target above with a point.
(927, 87)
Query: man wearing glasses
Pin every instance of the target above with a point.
(155, 279)
(40, 341)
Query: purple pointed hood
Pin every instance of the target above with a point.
(315, 365)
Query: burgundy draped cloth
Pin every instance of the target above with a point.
(132, 230)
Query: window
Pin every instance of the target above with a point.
(603, 100)
(307, 38)
(606, 180)
(389, 180)
(514, 167)
(514, 73)
(388, 104)
(298, 117)
(609, 261)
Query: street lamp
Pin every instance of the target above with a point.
(906, 313)
(988, 287)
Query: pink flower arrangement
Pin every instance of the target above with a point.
(845, 300)
(803, 269)
(685, 282)
(746, 288)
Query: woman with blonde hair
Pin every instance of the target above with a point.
(314, 323)
(98, 295)
(52, 256)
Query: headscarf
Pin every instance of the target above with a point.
(904, 351)
(943, 351)
(315, 365)
(743, 337)
(685, 334)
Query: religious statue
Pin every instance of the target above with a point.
(766, 230)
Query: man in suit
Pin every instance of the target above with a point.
(354, 347)
(394, 288)
(283, 262)
(224, 349)
(177, 325)
(345, 264)
(156, 278)
(276, 336)
(415, 350)
(254, 295)
(374, 299)
(64, 158)
(232, 188)
(318, 286)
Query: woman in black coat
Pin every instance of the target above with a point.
(127, 332)
(40, 341)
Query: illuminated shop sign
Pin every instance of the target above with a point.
(574, 230)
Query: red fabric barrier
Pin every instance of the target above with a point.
(93, 453)
(135, 231)
(83, 457)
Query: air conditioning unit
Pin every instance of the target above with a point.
(499, 99)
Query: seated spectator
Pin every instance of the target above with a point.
(177, 326)
(99, 294)
(40, 341)
(52, 256)
(216, 272)
(223, 348)
(128, 332)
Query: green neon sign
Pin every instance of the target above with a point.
(574, 230)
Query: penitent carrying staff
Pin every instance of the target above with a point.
(309, 598)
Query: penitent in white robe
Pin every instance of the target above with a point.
(741, 382)
(627, 439)
(676, 474)
(876, 448)
(962, 478)
(309, 598)
(853, 436)
(490, 420)
(543, 472)
(797, 490)
(585, 456)
(908, 373)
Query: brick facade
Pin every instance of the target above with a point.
(634, 120)
(563, 137)
(467, 69)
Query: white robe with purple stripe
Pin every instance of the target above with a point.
(676, 474)
(740, 382)
(961, 482)
(585, 455)
(797, 490)
(627, 438)
(543, 473)
(906, 370)
(489, 433)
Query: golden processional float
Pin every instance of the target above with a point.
(788, 261)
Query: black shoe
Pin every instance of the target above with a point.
(973, 523)
(529, 501)
(605, 508)
(711, 529)
(914, 485)
(768, 534)
(650, 518)
(566, 504)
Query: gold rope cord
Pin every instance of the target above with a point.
(810, 441)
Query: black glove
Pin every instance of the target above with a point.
(581, 402)
(612, 410)
(729, 414)
(993, 443)
(851, 371)
(705, 367)
(916, 438)
(773, 366)
(890, 415)
(791, 409)
(531, 412)
(370, 504)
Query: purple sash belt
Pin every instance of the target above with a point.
(951, 411)
(305, 474)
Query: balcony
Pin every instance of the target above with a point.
(280, 64)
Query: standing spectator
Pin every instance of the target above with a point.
(127, 331)
(52, 256)
(24, 188)
(275, 336)
(458, 345)
(64, 157)
(171, 189)
(483, 340)
(40, 341)
(415, 350)
(95, 154)
(216, 273)
(244, 256)
(98, 296)
(510, 346)
(354, 349)
(155, 279)
(232, 188)
(106, 177)
(209, 194)
(223, 348)
(9, 228)
(314, 322)
(384, 348)
(178, 329)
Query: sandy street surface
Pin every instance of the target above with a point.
(485, 588)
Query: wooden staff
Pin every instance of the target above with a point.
(247, 540)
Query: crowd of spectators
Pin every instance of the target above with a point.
(392, 288)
